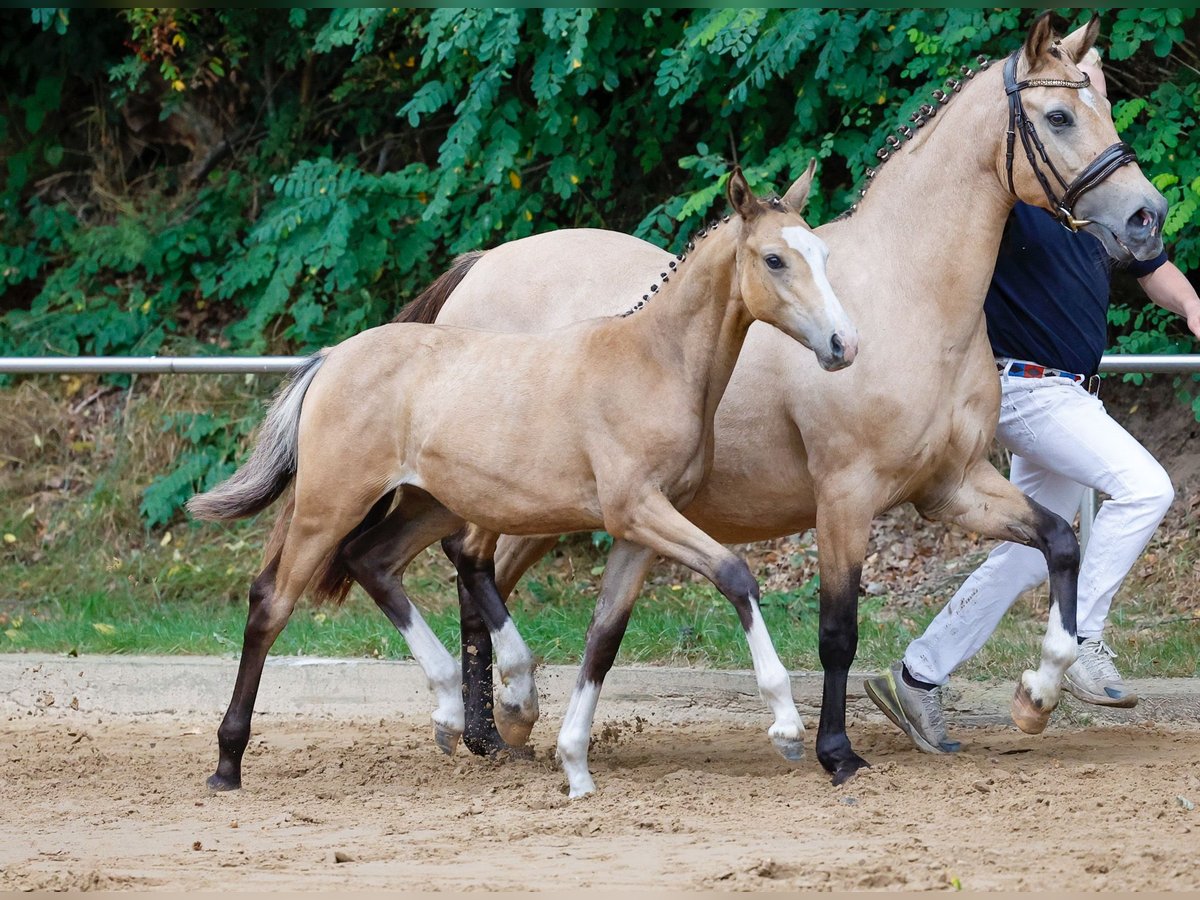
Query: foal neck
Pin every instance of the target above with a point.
(696, 322)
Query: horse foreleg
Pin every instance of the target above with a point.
(658, 525)
(514, 555)
(516, 711)
(377, 559)
(843, 529)
(622, 582)
(989, 504)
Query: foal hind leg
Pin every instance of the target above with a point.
(377, 560)
(516, 709)
(656, 524)
(990, 504)
(624, 573)
(514, 555)
(273, 596)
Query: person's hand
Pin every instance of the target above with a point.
(1193, 324)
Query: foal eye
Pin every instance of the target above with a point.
(773, 261)
(1058, 119)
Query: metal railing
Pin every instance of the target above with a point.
(1140, 363)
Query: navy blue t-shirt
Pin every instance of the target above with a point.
(1048, 300)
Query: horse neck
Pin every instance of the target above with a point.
(934, 217)
(697, 323)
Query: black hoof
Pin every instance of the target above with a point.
(221, 783)
(847, 769)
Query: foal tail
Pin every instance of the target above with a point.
(268, 472)
(429, 302)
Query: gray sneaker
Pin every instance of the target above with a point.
(1094, 678)
(916, 712)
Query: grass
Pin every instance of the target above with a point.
(79, 572)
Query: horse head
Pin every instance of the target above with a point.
(1062, 152)
(781, 272)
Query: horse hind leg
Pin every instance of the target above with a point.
(516, 708)
(989, 504)
(273, 596)
(514, 555)
(377, 560)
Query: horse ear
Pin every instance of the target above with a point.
(1038, 41)
(1080, 41)
(741, 198)
(797, 195)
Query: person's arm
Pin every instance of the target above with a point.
(1170, 289)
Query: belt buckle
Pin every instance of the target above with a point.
(1092, 385)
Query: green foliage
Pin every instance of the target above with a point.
(274, 180)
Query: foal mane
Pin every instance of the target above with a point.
(773, 203)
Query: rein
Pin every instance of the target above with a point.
(1106, 162)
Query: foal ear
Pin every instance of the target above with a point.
(741, 198)
(1080, 41)
(797, 195)
(1039, 40)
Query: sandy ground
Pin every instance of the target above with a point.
(92, 799)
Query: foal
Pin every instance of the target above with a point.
(605, 424)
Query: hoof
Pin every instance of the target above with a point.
(446, 739)
(513, 724)
(848, 769)
(1027, 713)
(582, 790)
(513, 733)
(221, 783)
(791, 749)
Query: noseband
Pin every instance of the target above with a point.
(1107, 162)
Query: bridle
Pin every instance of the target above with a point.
(1108, 161)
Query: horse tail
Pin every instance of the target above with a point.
(268, 472)
(429, 302)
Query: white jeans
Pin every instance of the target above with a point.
(1062, 440)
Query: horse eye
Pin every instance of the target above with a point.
(773, 261)
(1058, 119)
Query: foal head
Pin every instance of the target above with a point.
(781, 272)
(1068, 114)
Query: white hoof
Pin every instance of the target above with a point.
(580, 787)
(516, 711)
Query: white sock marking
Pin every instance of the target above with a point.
(441, 670)
(774, 684)
(574, 736)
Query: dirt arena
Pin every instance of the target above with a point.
(110, 800)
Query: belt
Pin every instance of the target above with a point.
(1019, 368)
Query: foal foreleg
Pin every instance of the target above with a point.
(656, 524)
(472, 552)
(989, 504)
(622, 582)
(377, 560)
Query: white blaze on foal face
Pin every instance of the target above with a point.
(815, 253)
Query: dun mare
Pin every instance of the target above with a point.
(604, 424)
(913, 419)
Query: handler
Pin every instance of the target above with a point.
(1046, 313)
